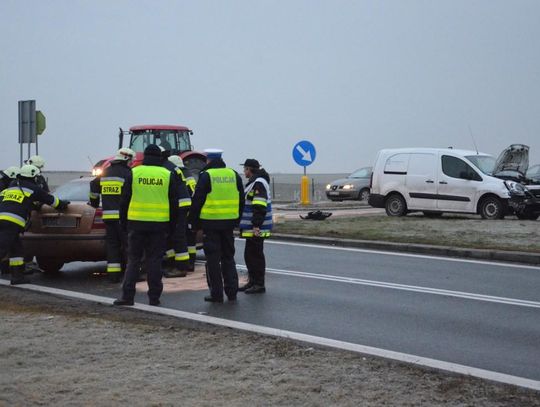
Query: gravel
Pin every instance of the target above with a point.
(58, 351)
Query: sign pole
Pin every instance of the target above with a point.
(304, 154)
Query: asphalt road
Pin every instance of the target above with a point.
(478, 314)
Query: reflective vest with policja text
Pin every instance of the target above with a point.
(246, 224)
(149, 194)
(222, 203)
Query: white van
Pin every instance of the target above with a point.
(437, 180)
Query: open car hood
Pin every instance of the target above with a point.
(513, 159)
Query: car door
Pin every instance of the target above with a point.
(421, 181)
(457, 186)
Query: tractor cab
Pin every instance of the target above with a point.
(174, 138)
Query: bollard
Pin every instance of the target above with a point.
(304, 191)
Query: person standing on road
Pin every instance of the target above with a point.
(217, 204)
(190, 185)
(149, 202)
(177, 255)
(109, 187)
(16, 204)
(255, 225)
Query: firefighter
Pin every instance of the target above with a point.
(177, 255)
(255, 224)
(39, 162)
(149, 204)
(217, 204)
(15, 208)
(108, 187)
(8, 175)
(190, 184)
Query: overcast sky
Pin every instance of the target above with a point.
(254, 77)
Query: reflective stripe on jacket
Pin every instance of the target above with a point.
(149, 194)
(223, 200)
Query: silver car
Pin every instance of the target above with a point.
(355, 186)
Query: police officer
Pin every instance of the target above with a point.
(15, 207)
(255, 224)
(177, 255)
(190, 185)
(108, 187)
(217, 204)
(8, 175)
(149, 203)
(39, 162)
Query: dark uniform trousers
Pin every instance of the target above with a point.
(149, 244)
(116, 243)
(255, 260)
(10, 242)
(220, 269)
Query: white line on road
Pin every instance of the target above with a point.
(317, 340)
(387, 253)
(404, 287)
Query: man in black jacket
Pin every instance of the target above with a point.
(149, 203)
(217, 204)
(15, 207)
(109, 187)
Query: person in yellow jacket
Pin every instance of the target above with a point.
(148, 207)
(217, 203)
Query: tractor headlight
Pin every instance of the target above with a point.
(96, 172)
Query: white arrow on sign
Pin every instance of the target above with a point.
(306, 155)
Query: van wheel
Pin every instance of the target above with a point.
(395, 206)
(49, 265)
(491, 208)
(363, 195)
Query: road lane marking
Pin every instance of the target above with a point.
(317, 340)
(404, 287)
(388, 253)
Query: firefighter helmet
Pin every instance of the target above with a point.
(36, 160)
(125, 154)
(12, 172)
(29, 171)
(176, 160)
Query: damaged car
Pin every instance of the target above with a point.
(512, 166)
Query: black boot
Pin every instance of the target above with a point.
(17, 275)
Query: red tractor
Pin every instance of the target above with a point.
(175, 138)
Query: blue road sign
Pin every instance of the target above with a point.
(304, 153)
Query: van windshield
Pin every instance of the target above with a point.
(484, 163)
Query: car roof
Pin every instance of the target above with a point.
(455, 151)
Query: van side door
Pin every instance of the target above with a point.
(421, 181)
(458, 185)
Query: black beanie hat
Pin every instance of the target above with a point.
(152, 150)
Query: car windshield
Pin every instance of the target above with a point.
(173, 140)
(76, 190)
(484, 163)
(361, 173)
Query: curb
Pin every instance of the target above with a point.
(448, 251)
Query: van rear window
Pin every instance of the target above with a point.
(397, 164)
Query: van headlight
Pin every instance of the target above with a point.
(515, 188)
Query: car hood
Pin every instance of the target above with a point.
(344, 181)
(513, 159)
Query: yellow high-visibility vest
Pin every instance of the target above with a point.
(223, 200)
(150, 194)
